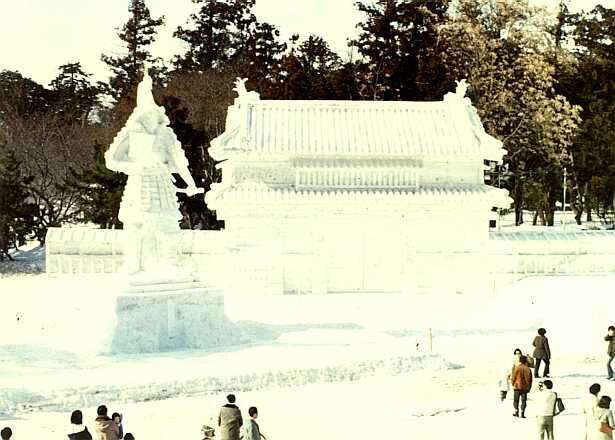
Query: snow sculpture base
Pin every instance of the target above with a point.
(166, 315)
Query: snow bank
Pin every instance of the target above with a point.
(76, 315)
(64, 399)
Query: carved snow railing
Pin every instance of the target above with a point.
(349, 175)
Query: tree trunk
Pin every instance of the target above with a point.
(518, 197)
(543, 220)
(535, 218)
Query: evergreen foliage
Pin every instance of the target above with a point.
(394, 38)
(17, 209)
(137, 34)
(219, 33)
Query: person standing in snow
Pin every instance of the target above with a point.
(76, 419)
(522, 383)
(545, 409)
(503, 385)
(229, 420)
(542, 352)
(602, 422)
(117, 419)
(610, 337)
(104, 427)
(251, 430)
(6, 433)
(590, 403)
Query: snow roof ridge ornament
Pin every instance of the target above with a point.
(459, 95)
(462, 88)
(242, 93)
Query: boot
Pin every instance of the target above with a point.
(523, 414)
(516, 414)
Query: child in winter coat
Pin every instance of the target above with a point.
(504, 385)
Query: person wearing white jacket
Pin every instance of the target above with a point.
(603, 420)
(251, 430)
(590, 404)
(545, 409)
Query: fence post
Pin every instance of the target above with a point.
(430, 339)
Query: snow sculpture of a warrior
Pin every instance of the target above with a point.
(148, 151)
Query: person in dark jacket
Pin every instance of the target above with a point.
(6, 433)
(76, 419)
(230, 420)
(542, 352)
(610, 337)
(522, 384)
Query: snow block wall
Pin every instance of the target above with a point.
(173, 321)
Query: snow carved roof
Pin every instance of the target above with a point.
(355, 128)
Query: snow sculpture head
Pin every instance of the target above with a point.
(145, 99)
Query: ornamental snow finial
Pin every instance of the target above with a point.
(240, 86)
(462, 88)
(242, 92)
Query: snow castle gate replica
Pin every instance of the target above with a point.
(350, 196)
(345, 196)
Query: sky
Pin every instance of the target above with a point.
(37, 36)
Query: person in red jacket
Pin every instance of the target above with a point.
(522, 383)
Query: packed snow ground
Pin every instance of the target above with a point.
(327, 367)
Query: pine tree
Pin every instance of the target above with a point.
(20, 96)
(261, 58)
(308, 70)
(219, 34)
(16, 208)
(74, 95)
(395, 36)
(100, 192)
(137, 34)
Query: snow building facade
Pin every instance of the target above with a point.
(355, 196)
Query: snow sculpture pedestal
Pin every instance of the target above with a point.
(162, 307)
(180, 314)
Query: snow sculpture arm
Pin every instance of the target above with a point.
(117, 157)
(179, 164)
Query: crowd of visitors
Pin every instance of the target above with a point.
(230, 423)
(599, 423)
(598, 417)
